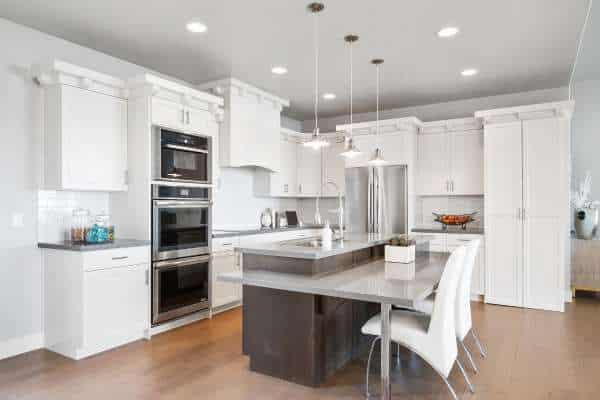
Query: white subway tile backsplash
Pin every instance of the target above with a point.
(55, 209)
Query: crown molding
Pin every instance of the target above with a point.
(229, 86)
(395, 125)
(563, 109)
(451, 125)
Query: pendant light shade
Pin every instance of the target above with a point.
(316, 142)
(350, 150)
(377, 159)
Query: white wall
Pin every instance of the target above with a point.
(585, 134)
(449, 110)
(236, 207)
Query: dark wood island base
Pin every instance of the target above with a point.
(304, 338)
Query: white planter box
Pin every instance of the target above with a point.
(400, 271)
(400, 254)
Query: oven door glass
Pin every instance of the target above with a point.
(182, 229)
(180, 164)
(180, 287)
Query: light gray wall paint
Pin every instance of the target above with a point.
(236, 207)
(453, 109)
(585, 134)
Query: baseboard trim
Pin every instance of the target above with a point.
(15, 346)
(568, 296)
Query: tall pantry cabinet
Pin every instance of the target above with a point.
(526, 153)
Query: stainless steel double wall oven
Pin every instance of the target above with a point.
(181, 225)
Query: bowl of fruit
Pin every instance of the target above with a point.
(455, 219)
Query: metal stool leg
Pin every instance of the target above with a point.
(469, 384)
(469, 357)
(478, 343)
(450, 388)
(369, 365)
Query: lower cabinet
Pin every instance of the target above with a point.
(225, 259)
(447, 242)
(95, 301)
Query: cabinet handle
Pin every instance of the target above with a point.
(452, 186)
(120, 258)
(299, 188)
(524, 215)
(285, 188)
(183, 116)
(147, 277)
(518, 213)
(447, 186)
(187, 114)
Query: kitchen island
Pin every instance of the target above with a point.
(304, 304)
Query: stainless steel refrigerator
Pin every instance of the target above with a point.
(376, 199)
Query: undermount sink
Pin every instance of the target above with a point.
(314, 242)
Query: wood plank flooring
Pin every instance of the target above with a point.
(531, 355)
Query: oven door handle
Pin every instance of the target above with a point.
(182, 203)
(179, 263)
(185, 148)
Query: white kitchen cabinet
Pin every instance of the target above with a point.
(527, 204)
(450, 158)
(95, 300)
(85, 129)
(225, 295)
(285, 182)
(251, 125)
(447, 242)
(309, 171)
(433, 164)
(394, 146)
(182, 118)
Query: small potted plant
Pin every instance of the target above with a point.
(400, 249)
(586, 210)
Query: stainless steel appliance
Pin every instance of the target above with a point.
(180, 287)
(179, 157)
(181, 239)
(376, 199)
(181, 220)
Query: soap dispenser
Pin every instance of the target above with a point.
(326, 235)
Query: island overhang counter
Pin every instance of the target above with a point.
(302, 325)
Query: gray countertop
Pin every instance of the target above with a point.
(351, 242)
(454, 230)
(71, 246)
(224, 233)
(367, 282)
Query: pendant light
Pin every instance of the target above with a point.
(377, 158)
(316, 141)
(350, 150)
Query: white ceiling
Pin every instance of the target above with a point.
(517, 45)
(588, 61)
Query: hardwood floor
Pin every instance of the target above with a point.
(531, 355)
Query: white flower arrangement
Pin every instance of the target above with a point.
(581, 198)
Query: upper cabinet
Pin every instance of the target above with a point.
(250, 134)
(85, 128)
(450, 158)
(304, 171)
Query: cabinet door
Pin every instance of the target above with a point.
(394, 147)
(309, 171)
(285, 182)
(334, 167)
(466, 150)
(115, 306)
(503, 228)
(224, 292)
(168, 114)
(545, 202)
(94, 140)
(198, 122)
(433, 164)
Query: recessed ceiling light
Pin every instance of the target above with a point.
(469, 72)
(329, 96)
(196, 27)
(279, 70)
(448, 31)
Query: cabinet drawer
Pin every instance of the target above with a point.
(113, 258)
(455, 240)
(225, 244)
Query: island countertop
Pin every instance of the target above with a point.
(296, 249)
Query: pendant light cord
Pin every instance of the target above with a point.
(377, 105)
(316, 40)
(351, 89)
